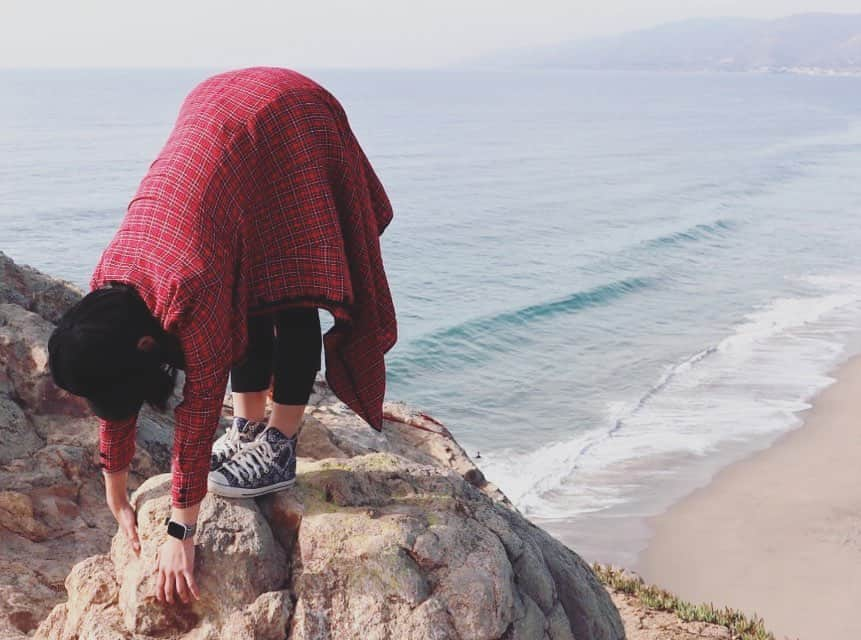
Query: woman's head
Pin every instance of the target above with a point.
(111, 350)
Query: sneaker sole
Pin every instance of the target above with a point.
(238, 492)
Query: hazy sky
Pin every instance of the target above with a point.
(321, 33)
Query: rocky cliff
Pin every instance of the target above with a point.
(385, 535)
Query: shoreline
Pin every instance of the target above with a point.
(777, 533)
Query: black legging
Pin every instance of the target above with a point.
(293, 356)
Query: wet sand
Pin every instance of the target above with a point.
(778, 533)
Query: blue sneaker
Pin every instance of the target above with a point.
(238, 434)
(266, 464)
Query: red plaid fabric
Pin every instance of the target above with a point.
(260, 199)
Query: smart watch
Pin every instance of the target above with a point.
(178, 529)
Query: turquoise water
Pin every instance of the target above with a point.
(603, 281)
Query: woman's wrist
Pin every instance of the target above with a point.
(185, 515)
(115, 486)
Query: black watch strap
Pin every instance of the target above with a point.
(178, 529)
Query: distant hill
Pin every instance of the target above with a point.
(812, 43)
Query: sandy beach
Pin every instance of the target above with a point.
(779, 533)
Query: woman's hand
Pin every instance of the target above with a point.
(174, 564)
(127, 519)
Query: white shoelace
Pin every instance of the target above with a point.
(230, 443)
(253, 459)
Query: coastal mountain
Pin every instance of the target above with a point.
(804, 43)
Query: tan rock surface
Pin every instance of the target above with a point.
(369, 546)
(386, 535)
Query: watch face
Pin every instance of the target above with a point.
(176, 530)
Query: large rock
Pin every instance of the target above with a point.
(34, 291)
(369, 544)
(385, 535)
(52, 507)
(374, 546)
(240, 569)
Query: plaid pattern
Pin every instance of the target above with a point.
(260, 199)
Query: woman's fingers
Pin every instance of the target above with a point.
(130, 529)
(168, 587)
(181, 587)
(170, 577)
(136, 541)
(132, 536)
(159, 583)
(189, 577)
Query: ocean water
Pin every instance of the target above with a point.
(607, 285)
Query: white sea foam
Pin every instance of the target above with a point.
(752, 383)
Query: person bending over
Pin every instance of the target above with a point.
(260, 209)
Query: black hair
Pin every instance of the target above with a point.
(94, 348)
